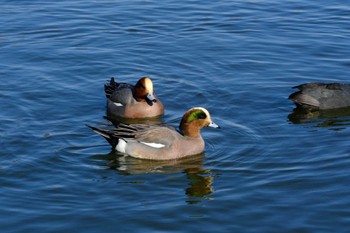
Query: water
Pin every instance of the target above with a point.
(263, 171)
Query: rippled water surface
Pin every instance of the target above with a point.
(267, 169)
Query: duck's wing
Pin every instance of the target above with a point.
(113, 86)
(158, 134)
(322, 95)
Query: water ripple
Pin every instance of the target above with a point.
(260, 172)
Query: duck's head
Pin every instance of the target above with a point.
(144, 91)
(195, 119)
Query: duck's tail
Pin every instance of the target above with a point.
(304, 100)
(110, 87)
(107, 134)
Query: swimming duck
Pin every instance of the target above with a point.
(160, 142)
(320, 96)
(133, 101)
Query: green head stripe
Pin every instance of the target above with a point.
(197, 114)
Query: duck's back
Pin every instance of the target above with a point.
(322, 95)
(119, 92)
(122, 95)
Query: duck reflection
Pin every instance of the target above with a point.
(200, 179)
(200, 185)
(115, 120)
(338, 118)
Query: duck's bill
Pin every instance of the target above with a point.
(151, 97)
(213, 125)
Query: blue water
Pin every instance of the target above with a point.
(263, 171)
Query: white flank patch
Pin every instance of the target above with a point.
(121, 146)
(117, 104)
(154, 145)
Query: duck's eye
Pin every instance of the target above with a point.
(202, 116)
(196, 115)
(142, 86)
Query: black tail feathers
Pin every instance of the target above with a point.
(110, 87)
(106, 134)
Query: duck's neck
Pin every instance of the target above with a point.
(190, 130)
(137, 96)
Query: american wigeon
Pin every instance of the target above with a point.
(161, 142)
(320, 96)
(133, 101)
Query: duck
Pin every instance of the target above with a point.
(321, 96)
(160, 142)
(133, 101)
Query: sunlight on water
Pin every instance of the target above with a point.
(269, 168)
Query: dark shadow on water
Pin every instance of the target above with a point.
(335, 119)
(200, 180)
